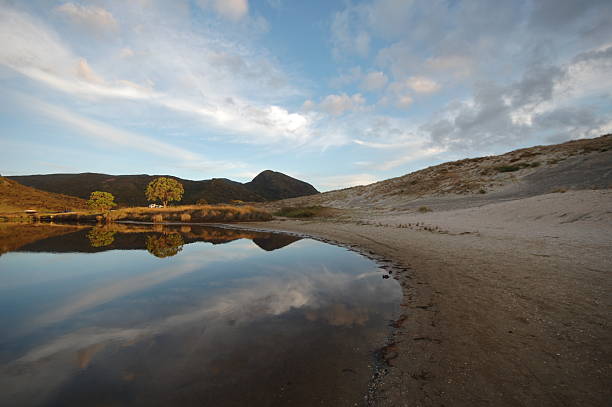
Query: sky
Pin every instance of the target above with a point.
(336, 93)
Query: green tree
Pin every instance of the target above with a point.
(164, 189)
(103, 201)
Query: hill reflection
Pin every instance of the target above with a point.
(159, 240)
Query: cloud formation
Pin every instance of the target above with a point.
(89, 17)
(230, 9)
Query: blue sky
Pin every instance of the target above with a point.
(338, 93)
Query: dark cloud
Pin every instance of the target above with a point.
(558, 14)
(503, 114)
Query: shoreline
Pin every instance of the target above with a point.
(492, 315)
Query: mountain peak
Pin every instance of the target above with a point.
(274, 185)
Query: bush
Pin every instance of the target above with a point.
(300, 212)
(424, 209)
(507, 168)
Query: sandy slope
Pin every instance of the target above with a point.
(506, 304)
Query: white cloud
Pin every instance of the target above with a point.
(346, 181)
(404, 101)
(113, 137)
(126, 52)
(230, 9)
(339, 104)
(459, 65)
(85, 72)
(421, 84)
(89, 17)
(33, 50)
(373, 81)
(347, 38)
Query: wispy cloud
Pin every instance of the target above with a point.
(37, 52)
(88, 16)
(112, 137)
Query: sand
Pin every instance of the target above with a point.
(505, 304)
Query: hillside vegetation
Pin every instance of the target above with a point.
(129, 189)
(172, 214)
(579, 164)
(15, 197)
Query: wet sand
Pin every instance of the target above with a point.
(507, 304)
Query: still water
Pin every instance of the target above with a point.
(133, 315)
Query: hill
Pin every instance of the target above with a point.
(15, 197)
(129, 189)
(274, 185)
(578, 164)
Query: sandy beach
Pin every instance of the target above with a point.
(505, 304)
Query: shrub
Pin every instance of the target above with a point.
(424, 209)
(300, 212)
(185, 217)
(507, 168)
(158, 218)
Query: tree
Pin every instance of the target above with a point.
(164, 189)
(103, 201)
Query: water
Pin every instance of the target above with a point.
(191, 316)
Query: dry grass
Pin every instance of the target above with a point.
(192, 213)
(15, 198)
(302, 212)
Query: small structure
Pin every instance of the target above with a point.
(30, 211)
(155, 206)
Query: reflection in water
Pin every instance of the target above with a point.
(165, 245)
(225, 319)
(100, 237)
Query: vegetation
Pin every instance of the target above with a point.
(128, 189)
(165, 190)
(424, 209)
(192, 213)
(508, 168)
(102, 201)
(15, 197)
(301, 212)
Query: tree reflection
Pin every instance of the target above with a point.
(100, 237)
(165, 245)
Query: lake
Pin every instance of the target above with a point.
(142, 315)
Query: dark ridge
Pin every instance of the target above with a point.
(274, 185)
(129, 189)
